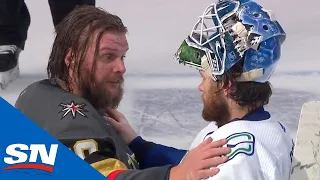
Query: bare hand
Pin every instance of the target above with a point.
(201, 162)
(118, 121)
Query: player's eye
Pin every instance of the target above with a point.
(107, 57)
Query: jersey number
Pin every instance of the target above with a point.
(89, 145)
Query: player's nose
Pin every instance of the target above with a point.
(119, 66)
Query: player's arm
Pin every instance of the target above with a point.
(106, 162)
(103, 155)
(150, 154)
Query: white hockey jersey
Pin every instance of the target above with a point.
(261, 148)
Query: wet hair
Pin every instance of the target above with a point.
(250, 95)
(75, 33)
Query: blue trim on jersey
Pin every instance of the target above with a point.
(257, 115)
(154, 155)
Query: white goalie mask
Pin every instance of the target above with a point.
(208, 29)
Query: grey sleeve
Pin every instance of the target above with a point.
(156, 173)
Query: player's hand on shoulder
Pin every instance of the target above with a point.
(119, 122)
(202, 161)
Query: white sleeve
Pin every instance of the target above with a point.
(241, 167)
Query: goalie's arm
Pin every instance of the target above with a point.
(150, 154)
(114, 169)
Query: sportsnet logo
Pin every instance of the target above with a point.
(35, 156)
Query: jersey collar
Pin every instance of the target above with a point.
(258, 115)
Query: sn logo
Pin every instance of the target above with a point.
(21, 156)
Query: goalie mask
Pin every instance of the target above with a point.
(230, 31)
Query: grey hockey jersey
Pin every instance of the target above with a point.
(79, 126)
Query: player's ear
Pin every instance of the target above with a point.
(68, 60)
(227, 88)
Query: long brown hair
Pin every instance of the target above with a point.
(251, 95)
(75, 32)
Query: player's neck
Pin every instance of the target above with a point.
(238, 112)
(72, 88)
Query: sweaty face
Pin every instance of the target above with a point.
(215, 107)
(105, 88)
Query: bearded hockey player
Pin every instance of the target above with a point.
(236, 46)
(85, 70)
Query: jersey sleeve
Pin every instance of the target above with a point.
(105, 160)
(113, 169)
(150, 154)
(155, 173)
